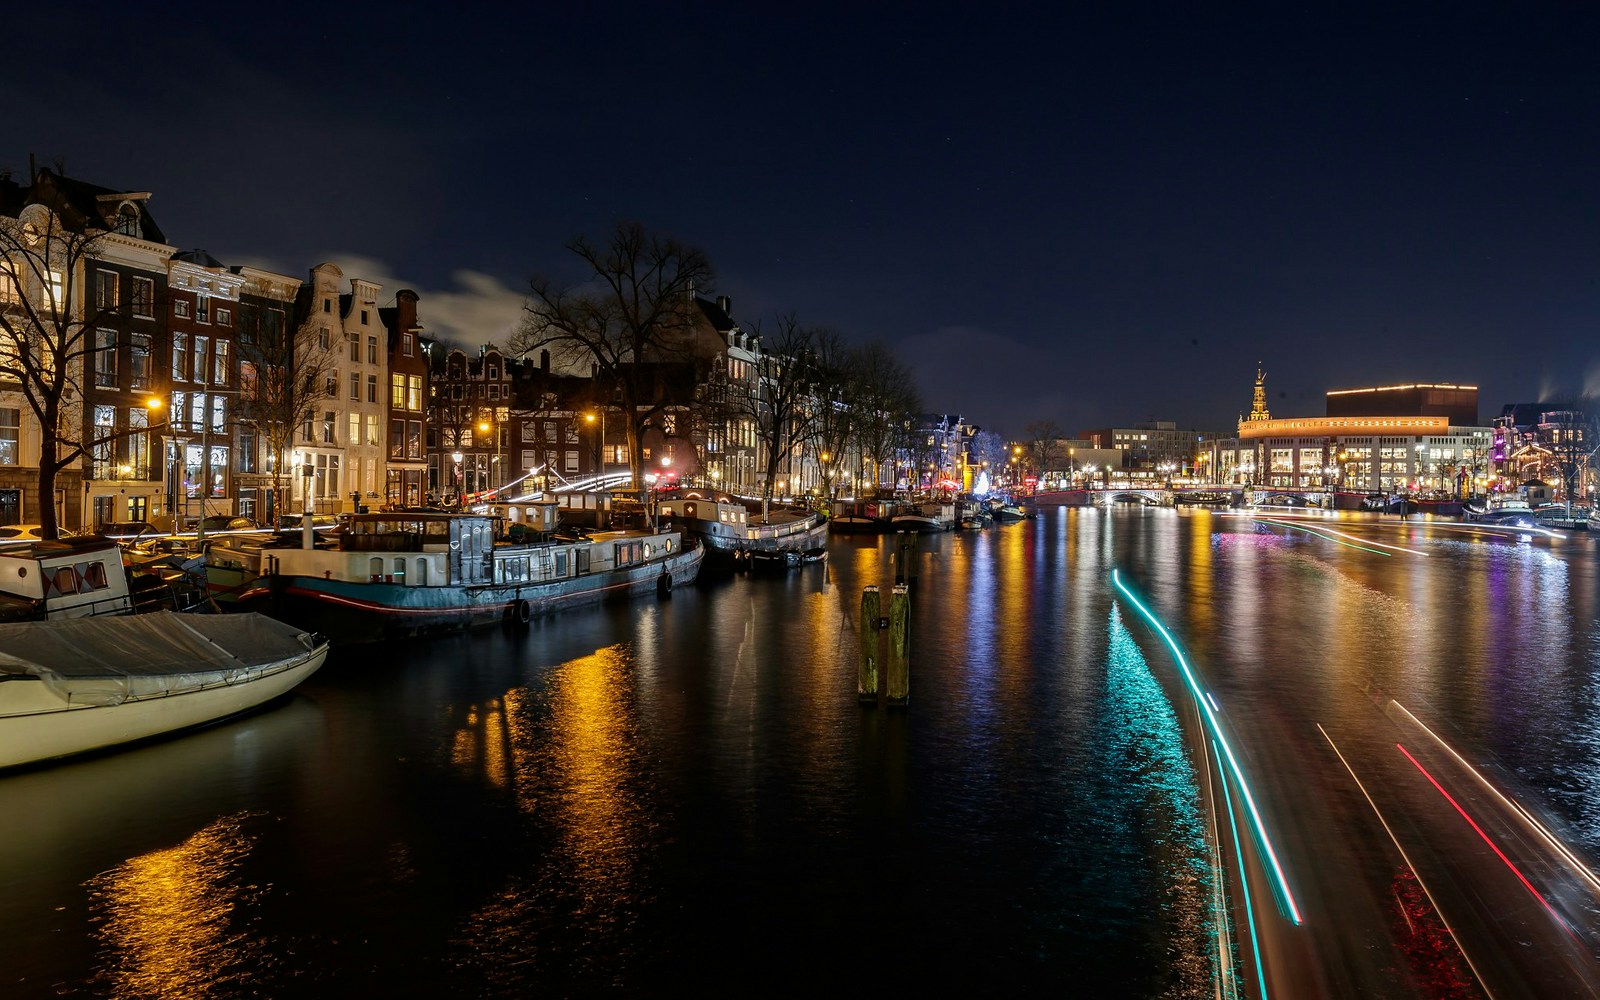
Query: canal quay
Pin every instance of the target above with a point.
(686, 795)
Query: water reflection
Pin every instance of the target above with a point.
(1155, 789)
(177, 922)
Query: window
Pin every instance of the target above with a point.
(202, 309)
(327, 475)
(372, 348)
(413, 392)
(224, 317)
(139, 360)
(221, 363)
(414, 440)
(248, 446)
(9, 296)
(105, 425)
(405, 344)
(355, 387)
(144, 297)
(57, 288)
(197, 409)
(571, 459)
(397, 391)
(550, 428)
(372, 388)
(105, 358)
(180, 308)
(363, 317)
(249, 381)
(355, 351)
(327, 306)
(329, 423)
(180, 357)
(374, 433)
(494, 391)
(355, 429)
(10, 436)
(397, 438)
(202, 347)
(105, 289)
(138, 448)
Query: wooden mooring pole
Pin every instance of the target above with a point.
(867, 684)
(878, 630)
(899, 660)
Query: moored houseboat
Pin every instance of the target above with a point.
(734, 531)
(399, 574)
(861, 517)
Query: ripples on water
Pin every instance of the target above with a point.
(685, 795)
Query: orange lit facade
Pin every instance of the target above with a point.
(1424, 448)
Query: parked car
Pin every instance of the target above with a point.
(319, 522)
(226, 522)
(124, 531)
(27, 533)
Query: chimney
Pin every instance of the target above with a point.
(725, 304)
(544, 361)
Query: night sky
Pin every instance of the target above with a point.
(1095, 215)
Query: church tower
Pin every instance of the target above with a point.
(1258, 407)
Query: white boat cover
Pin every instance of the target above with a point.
(110, 659)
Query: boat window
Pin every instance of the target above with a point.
(375, 567)
(399, 569)
(668, 546)
(422, 573)
(561, 563)
(66, 581)
(93, 575)
(648, 551)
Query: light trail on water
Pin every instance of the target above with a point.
(1449, 928)
(1280, 882)
(1485, 837)
(1551, 840)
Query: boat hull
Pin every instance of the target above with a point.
(36, 725)
(360, 612)
(723, 546)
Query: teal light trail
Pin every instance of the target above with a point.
(1280, 883)
(1249, 910)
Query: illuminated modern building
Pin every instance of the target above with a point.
(1417, 437)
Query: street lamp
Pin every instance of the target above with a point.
(599, 443)
(461, 491)
(495, 475)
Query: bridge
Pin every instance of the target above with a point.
(1214, 494)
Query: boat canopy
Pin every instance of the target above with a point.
(110, 659)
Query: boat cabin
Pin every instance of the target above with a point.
(425, 549)
(69, 578)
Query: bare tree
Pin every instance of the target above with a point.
(46, 331)
(882, 398)
(637, 307)
(1573, 443)
(285, 364)
(1041, 437)
(784, 407)
(831, 428)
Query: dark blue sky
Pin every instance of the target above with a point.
(1093, 214)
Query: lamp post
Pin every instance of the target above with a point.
(460, 479)
(599, 442)
(495, 476)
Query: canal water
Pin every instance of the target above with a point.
(686, 794)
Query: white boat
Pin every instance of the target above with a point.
(929, 516)
(76, 685)
(735, 531)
